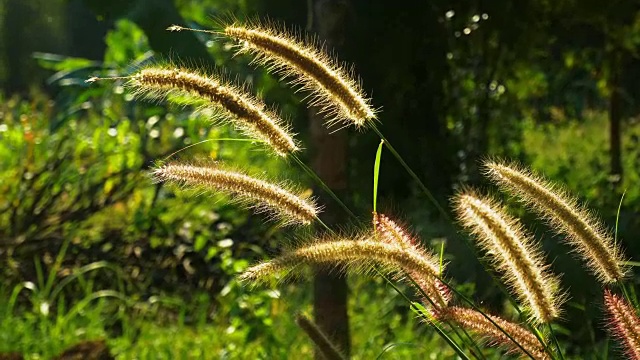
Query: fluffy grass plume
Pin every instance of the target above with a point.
(392, 233)
(280, 201)
(357, 254)
(332, 88)
(513, 253)
(623, 323)
(477, 323)
(563, 212)
(245, 112)
(328, 349)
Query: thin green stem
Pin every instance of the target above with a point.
(469, 341)
(615, 238)
(324, 186)
(605, 350)
(411, 173)
(425, 296)
(555, 341)
(476, 308)
(450, 341)
(473, 342)
(440, 332)
(540, 338)
(325, 225)
(208, 140)
(626, 294)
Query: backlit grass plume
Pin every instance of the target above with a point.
(623, 323)
(392, 233)
(584, 232)
(512, 251)
(280, 201)
(476, 322)
(332, 88)
(230, 102)
(357, 254)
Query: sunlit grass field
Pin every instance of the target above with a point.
(256, 324)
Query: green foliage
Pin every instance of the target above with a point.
(125, 43)
(74, 184)
(240, 323)
(559, 147)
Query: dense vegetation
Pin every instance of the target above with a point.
(94, 249)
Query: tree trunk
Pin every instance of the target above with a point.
(615, 103)
(13, 40)
(329, 161)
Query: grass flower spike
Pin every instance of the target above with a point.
(246, 112)
(358, 254)
(624, 323)
(583, 231)
(391, 233)
(333, 89)
(477, 323)
(283, 203)
(514, 254)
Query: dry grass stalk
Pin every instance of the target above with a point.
(584, 232)
(512, 251)
(283, 203)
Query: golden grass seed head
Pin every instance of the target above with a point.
(477, 323)
(280, 201)
(390, 232)
(623, 323)
(249, 114)
(513, 253)
(583, 230)
(232, 103)
(354, 254)
(338, 95)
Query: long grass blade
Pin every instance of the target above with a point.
(376, 176)
(615, 235)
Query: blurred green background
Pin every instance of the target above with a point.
(92, 249)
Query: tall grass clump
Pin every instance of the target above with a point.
(384, 247)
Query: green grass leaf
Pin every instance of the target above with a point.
(376, 173)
